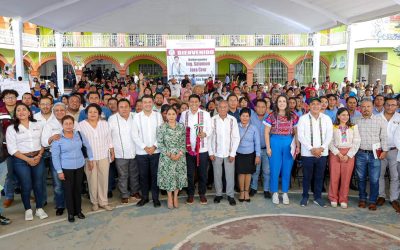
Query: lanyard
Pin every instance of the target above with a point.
(312, 130)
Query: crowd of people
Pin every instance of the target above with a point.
(145, 136)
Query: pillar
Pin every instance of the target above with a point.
(316, 55)
(59, 62)
(350, 54)
(17, 34)
(249, 79)
(291, 73)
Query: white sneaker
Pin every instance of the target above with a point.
(28, 214)
(41, 214)
(333, 204)
(343, 205)
(285, 199)
(275, 198)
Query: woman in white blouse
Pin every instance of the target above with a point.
(343, 147)
(23, 143)
(98, 134)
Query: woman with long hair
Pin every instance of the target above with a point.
(280, 131)
(172, 173)
(24, 144)
(343, 147)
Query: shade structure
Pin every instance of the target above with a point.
(197, 16)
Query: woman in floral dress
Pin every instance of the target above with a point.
(172, 173)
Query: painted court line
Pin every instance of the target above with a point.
(192, 235)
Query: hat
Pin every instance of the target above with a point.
(314, 99)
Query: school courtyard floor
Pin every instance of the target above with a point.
(255, 225)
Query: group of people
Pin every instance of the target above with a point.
(178, 136)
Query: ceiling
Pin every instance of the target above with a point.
(197, 16)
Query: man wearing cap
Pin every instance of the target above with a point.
(314, 133)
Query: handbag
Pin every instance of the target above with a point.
(84, 149)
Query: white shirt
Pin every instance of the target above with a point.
(26, 140)
(396, 139)
(99, 138)
(392, 125)
(40, 118)
(52, 127)
(304, 133)
(224, 140)
(193, 119)
(122, 136)
(145, 131)
(175, 89)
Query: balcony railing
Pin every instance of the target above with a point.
(123, 40)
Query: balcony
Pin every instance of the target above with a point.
(119, 41)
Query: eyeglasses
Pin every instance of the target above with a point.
(45, 104)
(10, 98)
(391, 105)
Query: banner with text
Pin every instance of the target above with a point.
(21, 87)
(191, 57)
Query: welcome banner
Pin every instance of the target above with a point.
(191, 57)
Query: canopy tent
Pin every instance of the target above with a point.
(197, 16)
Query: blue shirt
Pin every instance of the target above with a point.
(67, 153)
(249, 141)
(259, 124)
(105, 114)
(331, 113)
(236, 115)
(355, 115)
(35, 109)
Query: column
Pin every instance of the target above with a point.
(316, 55)
(249, 79)
(19, 56)
(59, 62)
(350, 54)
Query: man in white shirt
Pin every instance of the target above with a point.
(223, 143)
(315, 132)
(393, 121)
(198, 129)
(52, 132)
(145, 126)
(121, 125)
(175, 88)
(44, 116)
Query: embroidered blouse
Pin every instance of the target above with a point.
(280, 125)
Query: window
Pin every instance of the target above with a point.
(235, 68)
(271, 70)
(150, 69)
(304, 71)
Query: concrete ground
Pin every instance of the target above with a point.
(255, 225)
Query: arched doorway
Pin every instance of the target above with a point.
(233, 65)
(271, 70)
(101, 68)
(49, 67)
(304, 71)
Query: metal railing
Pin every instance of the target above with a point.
(123, 40)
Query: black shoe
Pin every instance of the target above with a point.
(81, 216)
(71, 218)
(4, 221)
(3, 193)
(353, 187)
(59, 211)
(267, 195)
(232, 201)
(252, 192)
(17, 190)
(163, 192)
(156, 203)
(109, 194)
(44, 203)
(247, 200)
(142, 202)
(209, 187)
(218, 199)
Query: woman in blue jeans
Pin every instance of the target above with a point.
(24, 144)
(280, 131)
